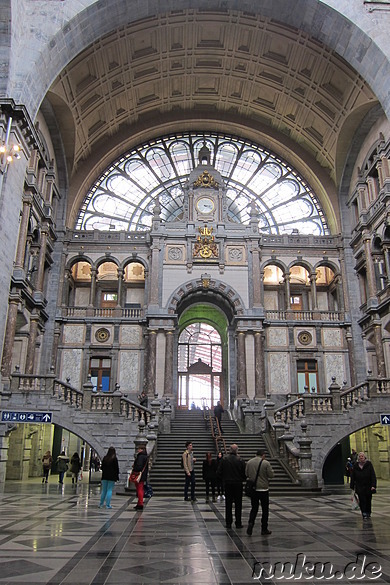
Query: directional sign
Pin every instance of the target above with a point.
(26, 416)
(385, 419)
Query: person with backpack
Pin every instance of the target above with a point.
(62, 466)
(47, 460)
(75, 467)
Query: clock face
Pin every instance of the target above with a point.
(205, 205)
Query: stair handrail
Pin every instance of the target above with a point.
(220, 443)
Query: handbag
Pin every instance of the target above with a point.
(135, 476)
(354, 501)
(250, 485)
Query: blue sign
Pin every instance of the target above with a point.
(26, 416)
(385, 419)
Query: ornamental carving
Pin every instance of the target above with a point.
(102, 335)
(305, 338)
(205, 180)
(175, 253)
(235, 254)
(205, 246)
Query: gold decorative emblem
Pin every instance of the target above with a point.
(205, 246)
(305, 338)
(205, 180)
(102, 335)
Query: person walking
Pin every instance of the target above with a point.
(232, 473)
(47, 460)
(188, 461)
(209, 475)
(75, 467)
(140, 464)
(259, 469)
(62, 466)
(110, 474)
(218, 412)
(363, 482)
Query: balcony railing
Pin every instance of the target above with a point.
(106, 313)
(288, 315)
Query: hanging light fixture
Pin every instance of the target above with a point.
(8, 152)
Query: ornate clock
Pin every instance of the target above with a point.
(205, 205)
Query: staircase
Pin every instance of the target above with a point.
(167, 476)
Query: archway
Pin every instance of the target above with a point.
(202, 357)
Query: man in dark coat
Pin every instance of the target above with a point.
(363, 481)
(218, 412)
(232, 472)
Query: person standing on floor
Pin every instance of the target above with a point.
(261, 496)
(47, 460)
(75, 467)
(218, 412)
(209, 475)
(140, 464)
(363, 482)
(232, 473)
(188, 461)
(62, 466)
(110, 474)
(220, 488)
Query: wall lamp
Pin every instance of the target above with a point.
(8, 152)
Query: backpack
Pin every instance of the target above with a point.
(148, 491)
(46, 461)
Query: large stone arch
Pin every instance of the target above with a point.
(315, 18)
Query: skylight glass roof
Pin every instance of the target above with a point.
(124, 196)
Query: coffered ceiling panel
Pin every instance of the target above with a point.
(221, 63)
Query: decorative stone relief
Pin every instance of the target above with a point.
(131, 334)
(305, 338)
(102, 335)
(334, 366)
(331, 338)
(74, 334)
(235, 255)
(175, 253)
(277, 337)
(278, 368)
(129, 368)
(71, 366)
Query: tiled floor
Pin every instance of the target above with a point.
(53, 536)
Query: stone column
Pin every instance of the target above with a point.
(168, 373)
(32, 340)
(387, 262)
(351, 360)
(259, 365)
(241, 366)
(150, 363)
(9, 336)
(92, 291)
(313, 279)
(154, 273)
(287, 291)
(22, 241)
(41, 259)
(120, 273)
(65, 288)
(339, 293)
(257, 278)
(369, 265)
(380, 356)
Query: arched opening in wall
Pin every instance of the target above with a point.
(33, 447)
(202, 357)
(373, 440)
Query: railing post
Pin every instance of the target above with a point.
(307, 476)
(257, 410)
(116, 399)
(335, 390)
(164, 425)
(88, 391)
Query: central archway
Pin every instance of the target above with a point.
(202, 357)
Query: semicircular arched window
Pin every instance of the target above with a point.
(124, 196)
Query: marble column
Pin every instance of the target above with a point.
(351, 359)
(120, 273)
(31, 345)
(168, 373)
(41, 260)
(150, 365)
(154, 286)
(22, 241)
(287, 291)
(9, 337)
(257, 278)
(241, 366)
(380, 356)
(313, 284)
(92, 291)
(387, 262)
(369, 265)
(259, 365)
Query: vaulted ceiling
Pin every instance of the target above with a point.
(224, 67)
